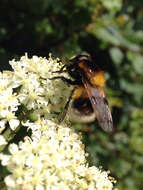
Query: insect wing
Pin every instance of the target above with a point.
(100, 106)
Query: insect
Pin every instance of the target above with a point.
(87, 100)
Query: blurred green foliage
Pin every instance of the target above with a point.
(112, 32)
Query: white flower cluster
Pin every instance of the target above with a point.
(53, 158)
(28, 85)
(8, 101)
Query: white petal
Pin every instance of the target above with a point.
(2, 140)
(14, 123)
(13, 148)
(10, 181)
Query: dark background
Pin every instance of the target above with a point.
(112, 32)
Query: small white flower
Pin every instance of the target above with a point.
(2, 125)
(2, 140)
(14, 123)
(13, 148)
(10, 182)
(39, 187)
(4, 159)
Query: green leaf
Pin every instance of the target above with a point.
(116, 55)
(137, 61)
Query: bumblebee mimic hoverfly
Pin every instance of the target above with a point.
(87, 100)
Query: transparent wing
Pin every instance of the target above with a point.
(100, 106)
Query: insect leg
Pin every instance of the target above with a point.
(66, 106)
(61, 70)
(68, 81)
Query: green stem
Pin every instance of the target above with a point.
(2, 186)
(9, 135)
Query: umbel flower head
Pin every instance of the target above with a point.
(53, 158)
